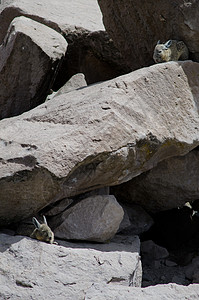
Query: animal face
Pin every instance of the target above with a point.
(42, 232)
(161, 53)
(45, 234)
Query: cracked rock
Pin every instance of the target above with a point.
(33, 269)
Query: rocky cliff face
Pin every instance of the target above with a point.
(119, 155)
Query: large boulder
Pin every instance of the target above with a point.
(136, 26)
(90, 49)
(59, 15)
(35, 270)
(96, 218)
(170, 184)
(30, 55)
(61, 149)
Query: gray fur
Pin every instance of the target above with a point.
(42, 232)
(171, 50)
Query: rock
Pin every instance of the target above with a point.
(170, 291)
(137, 220)
(59, 149)
(196, 277)
(170, 184)
(125, 221)
(58, 207)
(91, 53)
(59, 15)
(158, 272)
(30, 55)
(137, 26)
(90, 49)
(33, 269)
(77, 81)
(170, 263)
(151, 251)
(192, 269)
(178, 279)
(96, 218)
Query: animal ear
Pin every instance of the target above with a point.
(45, 222)
(158, 42)
(168, 44)
(36, 223)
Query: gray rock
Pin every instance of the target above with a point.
(137, 26)
(90, 49)
(60, 149)
(57, 208)
(35, 270)
(151, 251)
(59, 15)
(126, 223)
(170, 263)
(164, 291)
(136, 220)
(170, 184)
(77, 81)
(192, 270)
(91, 53)
(96, 218)
(30, 55)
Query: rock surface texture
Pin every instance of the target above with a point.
(171, 184)
(76, 82)
(137, 120)
(136, 220)
(59, 15)
(98, 155)
(30, 55)
(95, 218)
(34, 270)
(90, 50)
(169, 291)
(136, 26)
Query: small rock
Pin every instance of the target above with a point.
(77, 81)
(195, 277)
(96, 218)
(170, 263)
(192, 268)
(150, 252)
(136, 220)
